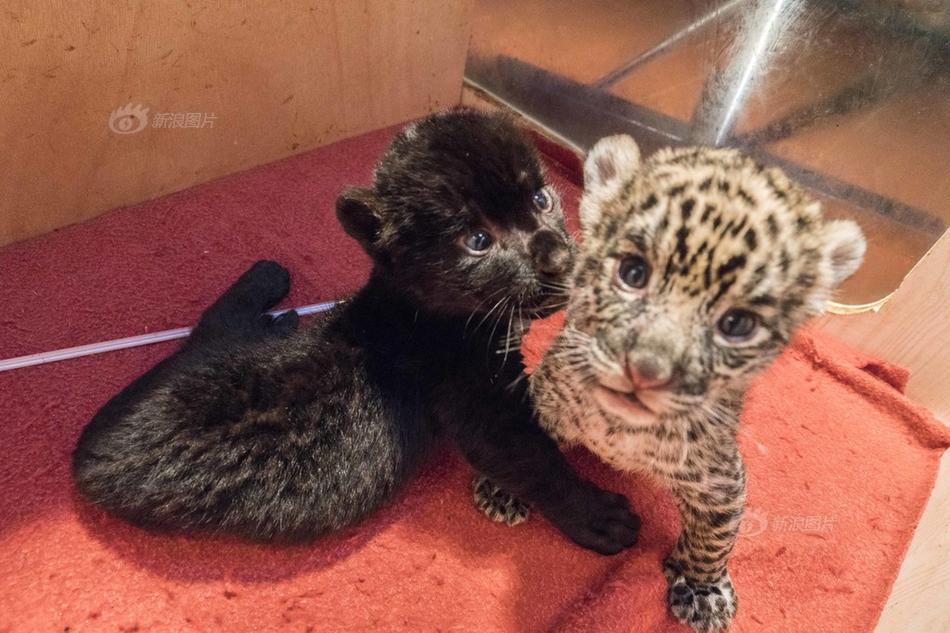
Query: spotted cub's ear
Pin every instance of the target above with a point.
(357, 209)
(610, 163)
(842, 250)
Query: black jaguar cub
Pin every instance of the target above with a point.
(260, 430)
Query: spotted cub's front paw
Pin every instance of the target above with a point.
(498, 504)
(706, 607)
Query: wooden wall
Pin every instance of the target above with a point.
(266, 79)
(911, 329)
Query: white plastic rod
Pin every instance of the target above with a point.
(131, 341)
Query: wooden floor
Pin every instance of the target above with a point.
(918, 601)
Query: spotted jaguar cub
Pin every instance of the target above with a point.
(697, 266)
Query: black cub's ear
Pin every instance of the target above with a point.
(357, 209)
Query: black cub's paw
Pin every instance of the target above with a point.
(596, 519)
(498, 504)
(705, 607)
(266, 281)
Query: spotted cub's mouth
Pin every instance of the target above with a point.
(622, 403)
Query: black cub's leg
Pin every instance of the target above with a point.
(239, 312)
(502, 441)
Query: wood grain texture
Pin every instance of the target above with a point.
(918, 600)
(911, 329)
(279, 78)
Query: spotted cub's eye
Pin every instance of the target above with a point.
(478, 242)
(738, 325)
(542, 200)
(633, 272)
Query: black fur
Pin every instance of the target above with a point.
(257, 429)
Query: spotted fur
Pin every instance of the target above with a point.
(645, 377)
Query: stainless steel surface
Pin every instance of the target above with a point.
(642, 58)
(852, 98)
(763, 26)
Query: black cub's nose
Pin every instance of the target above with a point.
(551, 254)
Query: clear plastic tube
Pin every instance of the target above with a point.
(43, 358)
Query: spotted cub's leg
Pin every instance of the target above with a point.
(498, 504)
(700, 589)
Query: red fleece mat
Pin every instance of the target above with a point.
(840, 463)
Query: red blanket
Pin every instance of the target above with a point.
(840, 463)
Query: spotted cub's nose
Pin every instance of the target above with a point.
(647, 371)
(551, 253)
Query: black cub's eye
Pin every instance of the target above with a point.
(634, 271)
(738, 325)
(542, 200)
(478, 242)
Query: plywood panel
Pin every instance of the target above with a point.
(911, 329)
(918, 600)
(272, 79)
